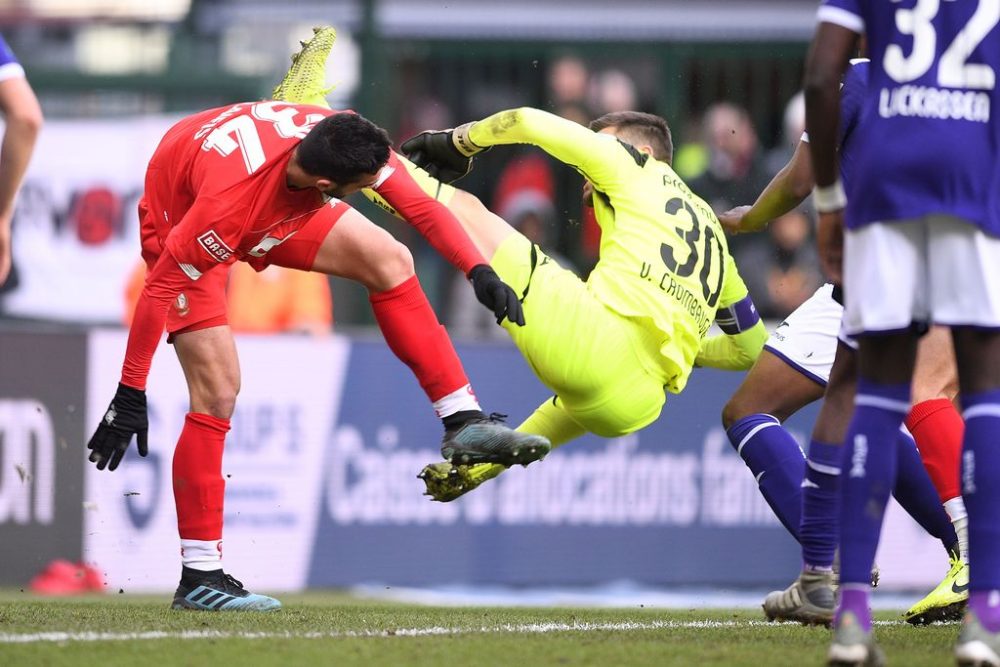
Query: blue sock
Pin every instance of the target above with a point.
(916, 494)
(981, 491)
(869, 474)
(776, 461)
(821, 504)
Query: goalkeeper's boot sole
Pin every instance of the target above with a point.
(947, 602)
(216, 591)
(489, 440)
(977, 646)
(810, 600)
(853, 646)
(305, 82)
(446, 482)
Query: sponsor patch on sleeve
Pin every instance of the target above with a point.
(215, 246)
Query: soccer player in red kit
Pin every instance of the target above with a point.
(262, 182)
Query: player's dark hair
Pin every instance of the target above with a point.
(342, 147)
(640, 128)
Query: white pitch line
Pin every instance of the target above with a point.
(531, 628)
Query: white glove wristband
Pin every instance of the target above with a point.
(460, 138)
(830, 198)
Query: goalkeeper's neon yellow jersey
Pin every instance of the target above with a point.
(664, 259)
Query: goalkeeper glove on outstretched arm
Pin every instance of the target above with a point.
(496, 295)
(444, 154)
(124, 418)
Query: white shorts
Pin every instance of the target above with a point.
(807, 339)
(936, 269)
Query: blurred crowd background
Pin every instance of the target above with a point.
(112, 75)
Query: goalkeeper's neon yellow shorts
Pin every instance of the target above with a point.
(596, 361)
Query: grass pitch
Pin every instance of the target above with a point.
(335, 629)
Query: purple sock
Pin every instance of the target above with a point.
(854, 599)
(916, 494)
(776, 461)
(869, 474)
(981, 491)
(821, 504)
(986, 606)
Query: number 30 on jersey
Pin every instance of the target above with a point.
(704, 251)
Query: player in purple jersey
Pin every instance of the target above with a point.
(793, 370)
(921, 247)
(23, 118)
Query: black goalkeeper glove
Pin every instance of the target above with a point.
(444, 154)
(126, 416)
(496, 295)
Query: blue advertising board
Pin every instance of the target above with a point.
(672, 504)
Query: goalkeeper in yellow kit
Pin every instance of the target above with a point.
(610, 346)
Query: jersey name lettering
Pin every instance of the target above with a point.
(926, 102)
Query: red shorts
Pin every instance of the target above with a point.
(203, 303)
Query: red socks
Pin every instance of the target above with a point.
(938, 428)
(413, 333)
(198, 484)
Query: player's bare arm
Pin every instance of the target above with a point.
(23, 117)
(828, 57)
(787, 189)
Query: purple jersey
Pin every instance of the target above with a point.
(9, 67)
(852, 97)
(929, 140)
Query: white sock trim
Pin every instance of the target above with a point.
(882, 402)
(754, 431)
(955, 508)
(204, 555)
(833, 471)
(982, 410)
(865, 588)
(960, 520)
(459, 400)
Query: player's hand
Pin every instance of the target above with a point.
(125, 417)
(830, 239)
(444, 154)
(496, 295)
(733, 220)
(5, 250)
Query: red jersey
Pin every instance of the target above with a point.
(216, 192)
(216, 185)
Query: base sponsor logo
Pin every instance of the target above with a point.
(215, 246)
